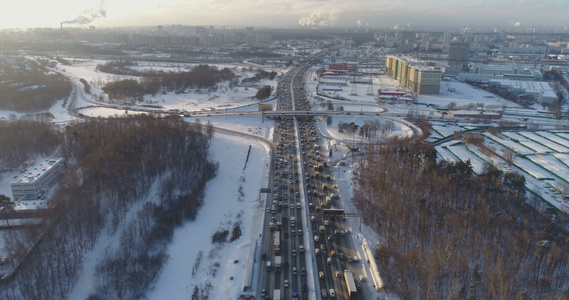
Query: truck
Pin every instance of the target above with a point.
(277, 242)
(292, 221)
(278, 263)
(279, 221)
(277, 295)
(350, 283)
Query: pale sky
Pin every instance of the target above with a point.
(282, 13)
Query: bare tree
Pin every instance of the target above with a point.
(509, 155)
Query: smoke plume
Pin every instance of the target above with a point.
(89, 15)
(320, 19)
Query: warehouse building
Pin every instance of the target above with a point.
(37, 180)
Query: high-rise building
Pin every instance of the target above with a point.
(413, 74)
(458, 53)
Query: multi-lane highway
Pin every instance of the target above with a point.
(306, 242)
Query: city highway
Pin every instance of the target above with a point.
(302, 188)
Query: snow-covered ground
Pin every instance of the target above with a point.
(223, 204)
(231, 197)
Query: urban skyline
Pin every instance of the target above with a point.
(284, 13)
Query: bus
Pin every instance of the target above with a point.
(277, 242)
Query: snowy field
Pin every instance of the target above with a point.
(222, 208)
(196, 100)
(233, 196)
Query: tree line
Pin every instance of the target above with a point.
(450, 234)
(25, 139)
(112, 164)
(155, 81)
(27, 85)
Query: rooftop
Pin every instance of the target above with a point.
(33, 173)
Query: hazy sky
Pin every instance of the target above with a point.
(282, 13)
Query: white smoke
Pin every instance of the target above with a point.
(320, 19)
(89, 15)
(359, 23)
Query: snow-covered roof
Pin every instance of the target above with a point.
(35, 172)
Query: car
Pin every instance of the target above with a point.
(294, 271)
(301, 248)
(323, 293)
(298, 205)
(321, 275)
(263, 293)
(303, 272)
(332, 293)
(323, 247)
(286, 283)
(300, 232)
(362, 278)
(316, 251)
(329, 237)
(293, 252)
(337, 273)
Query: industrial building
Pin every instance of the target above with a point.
(37, 180)
(413, 74)
(541, 92)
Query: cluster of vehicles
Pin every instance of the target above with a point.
(285, 210)
(307, 174)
